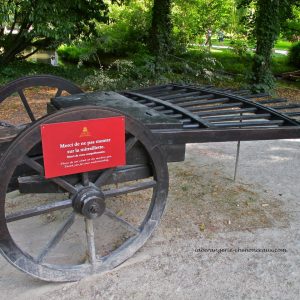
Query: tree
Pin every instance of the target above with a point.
(41, 24)
(195, 17)
(269, 17)
(161, 28)
(267, 28)
(291, 25)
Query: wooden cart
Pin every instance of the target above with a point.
(65, 228)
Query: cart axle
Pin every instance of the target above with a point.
(89, 202)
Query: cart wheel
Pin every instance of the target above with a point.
(30, 96)
(48, 237)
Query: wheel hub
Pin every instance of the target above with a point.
(89, 202)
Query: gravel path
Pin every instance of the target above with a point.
(168, 267)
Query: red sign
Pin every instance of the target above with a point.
(82, 146)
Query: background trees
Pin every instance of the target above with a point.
(97, 32)
(42, 24)
(161, 28)
(193, 18)
(270, 17)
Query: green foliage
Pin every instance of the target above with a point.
(283, 45)
(291, 24)
(71, 53)
(201, 63)
(287, 7)
(280, 64)
(161, 28)
(294, 55)
(118, 46)
(145, 69)
(45, 24)
(121, 74)
(191, 19)
(18, 69)
(124, 35)
(270, 16)
(262, 79)
(240, 66)
(233, 63)
(239, 47)
(267, 28)
(127, 31)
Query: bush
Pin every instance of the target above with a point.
(294, 55)
(18, 69)
(115, 76)
(126, 34)
(71, 53)
(142, 69)
(239, 47)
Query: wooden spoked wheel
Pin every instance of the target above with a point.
(48, 237)
(24, 100)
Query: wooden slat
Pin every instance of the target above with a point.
(227, 112)
(237, 117)
(178, 101)
(249, 124)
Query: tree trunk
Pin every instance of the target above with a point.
(161, 27)
(266, 30)
(12, 49)
(14, 44)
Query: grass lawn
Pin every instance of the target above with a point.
(226, 42)
(236, 64)
(280, 64)
(231, 62)
(283, 45)
(279, 45)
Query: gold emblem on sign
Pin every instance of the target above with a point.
(85, 132)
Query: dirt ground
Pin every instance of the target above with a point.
(292, 94)
(12, 110)
(206, 210)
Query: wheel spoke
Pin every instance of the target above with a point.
(33, 164)
(59, 92)
(56, 238)
(39, 210)
(107, 173)
(85, 179)
(90, 238)
(124, 223)
(64, 184)
(40, 169)
(104, 177)
(54, 260)
(26, 105)
(130, 143)
(129, 189)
